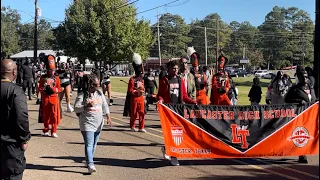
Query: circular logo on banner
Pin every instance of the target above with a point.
(300, 137)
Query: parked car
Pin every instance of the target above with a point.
(238, 73)
(261, 73)
(269, 76)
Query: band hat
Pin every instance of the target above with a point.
(51, 62)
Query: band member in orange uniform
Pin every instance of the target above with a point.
(199, 77)
(49, 87)
(136, 90)
(220, 84)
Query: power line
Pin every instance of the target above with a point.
(156, 7)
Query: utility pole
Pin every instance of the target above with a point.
(206, 44)
(35, 45)
(317, 47)
(159, 38)
(303, 49)
(217, 41)
(243, 55)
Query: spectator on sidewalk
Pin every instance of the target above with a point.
(278, 89)
(90, 106)
(233, 91)
(15, 132)
(301, 93)
(255, 92)
(28, 77)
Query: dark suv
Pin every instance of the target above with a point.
(239, 73)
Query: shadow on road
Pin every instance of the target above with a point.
(150, 163)
(261, 175)
(122, 144)
(53, 168)
(147, 163)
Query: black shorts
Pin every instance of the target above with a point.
(107, 83)
(65, 84)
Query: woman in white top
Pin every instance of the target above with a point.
(90, 107)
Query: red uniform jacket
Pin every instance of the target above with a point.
(164, 92)
(135, 86)
(50, 103)
(218, 98)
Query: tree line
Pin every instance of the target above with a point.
(109, 31)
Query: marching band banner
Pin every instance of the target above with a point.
(192, 131)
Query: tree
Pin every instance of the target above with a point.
(286, 34)
(243, 43)
(174, 36)
(102, 31)
(197, 34)
(45, 35)
(10, 21)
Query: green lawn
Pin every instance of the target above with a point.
(244, 85)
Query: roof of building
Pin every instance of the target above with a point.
(29, 53)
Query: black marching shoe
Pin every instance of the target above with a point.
(38, 101)
(303, 159)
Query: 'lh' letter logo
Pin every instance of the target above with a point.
(239, 135)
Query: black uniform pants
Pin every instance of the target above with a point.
(13, 162)
(28, 83)
(150, 91)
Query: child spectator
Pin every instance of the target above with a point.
(255, 92)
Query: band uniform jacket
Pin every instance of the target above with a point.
(137, 101)
(50, 104)
(218, 97)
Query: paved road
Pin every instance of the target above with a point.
(122, 154)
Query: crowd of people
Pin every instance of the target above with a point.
(177, 84)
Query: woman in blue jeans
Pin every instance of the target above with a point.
(90, 107)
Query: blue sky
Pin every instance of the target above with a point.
(253, 11)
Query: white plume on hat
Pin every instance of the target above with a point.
(137, 59)
(190, 51)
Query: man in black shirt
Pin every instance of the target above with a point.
(14, 124)
(28, 77)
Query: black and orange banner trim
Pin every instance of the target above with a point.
(239, 131)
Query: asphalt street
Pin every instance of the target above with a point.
(122, 154)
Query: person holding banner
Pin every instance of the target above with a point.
(220, 84)
(172, 90)
(301, 93)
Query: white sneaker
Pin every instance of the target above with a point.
(133, 130)
(174, 161)
(46, 134)
(54, 135)
(69, 108)
(142, 130)
(164, 154)
(91, 169)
